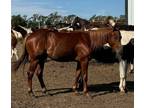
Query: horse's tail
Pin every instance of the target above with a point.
(22, 59)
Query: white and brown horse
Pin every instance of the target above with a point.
(16, 34)
(14, 40)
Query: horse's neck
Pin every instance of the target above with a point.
(98, 39)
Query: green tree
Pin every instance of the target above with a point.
(54, 18)
(70, 18)
(18, 20)
(93, 18)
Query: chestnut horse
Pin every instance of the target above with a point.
(61, 46)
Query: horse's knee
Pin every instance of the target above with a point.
(33, 66)
(30, 75)
(38, 71)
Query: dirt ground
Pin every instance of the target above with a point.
(103, 81)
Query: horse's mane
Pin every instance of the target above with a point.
(99, 36)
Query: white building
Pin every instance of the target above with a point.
(129, 11)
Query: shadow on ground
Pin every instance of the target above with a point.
(96, 90)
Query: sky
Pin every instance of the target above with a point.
(82, 8)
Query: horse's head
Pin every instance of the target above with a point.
(76, 22)
(114, 39)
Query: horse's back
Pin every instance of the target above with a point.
(64, 45)
(57, 45)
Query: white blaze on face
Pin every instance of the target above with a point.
(126, 36)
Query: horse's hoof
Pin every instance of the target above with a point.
(76, 93)
(124, 91)
(49, 94)
(88, 95)
(31, 94)
(44, 90)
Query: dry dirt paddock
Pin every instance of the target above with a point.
(103, 86)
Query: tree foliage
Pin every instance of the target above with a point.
(18, 20)
(53, 19)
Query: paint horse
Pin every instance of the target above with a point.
(17, 33)
(14, 40)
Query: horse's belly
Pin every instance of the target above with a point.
(62, 54)
(62, 57)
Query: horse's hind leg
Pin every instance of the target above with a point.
(84, 68)
(30, 73)
(39, 73)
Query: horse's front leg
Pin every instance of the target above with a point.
(123, 71)
(77, 75)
